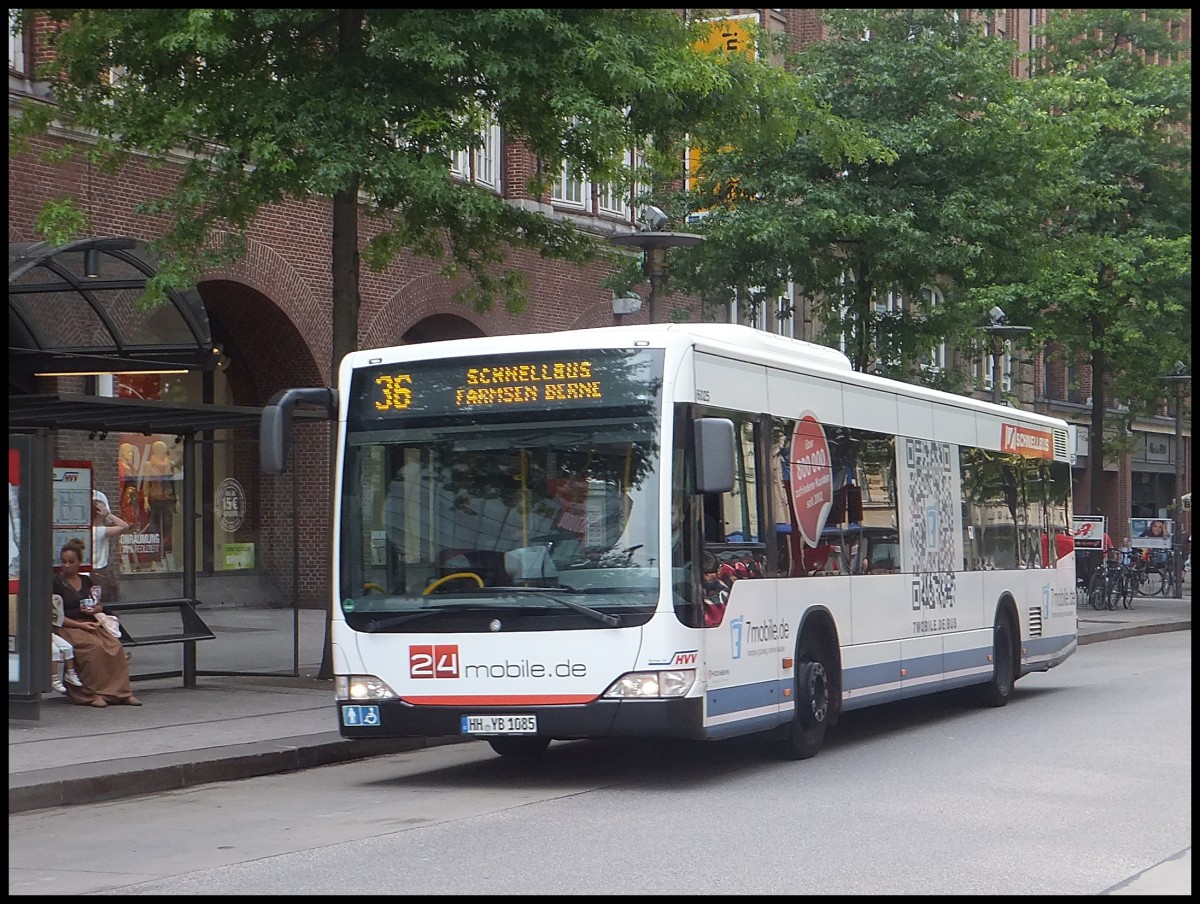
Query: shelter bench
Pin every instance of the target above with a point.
(192, 629)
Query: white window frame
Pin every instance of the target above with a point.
(936, 357)
(569, 191)
(981, 369)
(16, 45)
(480, 163)
(842, 346)
(615, 200)
(786, 326)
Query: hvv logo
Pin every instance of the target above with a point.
(735, 637)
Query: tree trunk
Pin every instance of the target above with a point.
(345, 305)
(1099, 364)
(345, 340)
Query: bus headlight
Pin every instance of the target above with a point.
(361, 687)
(675, 683)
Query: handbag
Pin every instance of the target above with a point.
(109, 623)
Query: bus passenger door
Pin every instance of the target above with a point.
(744, 640)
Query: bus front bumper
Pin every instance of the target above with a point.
(659, 718)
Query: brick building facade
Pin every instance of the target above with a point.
(271, 315)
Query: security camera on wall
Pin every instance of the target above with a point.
(653, 218)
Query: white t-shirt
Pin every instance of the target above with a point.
(99, 546)
(100, 536)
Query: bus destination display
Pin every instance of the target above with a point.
(602, 377)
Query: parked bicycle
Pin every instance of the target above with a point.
(1125, 583)
(1113, 582)
(1100, 585)
(1158, 576)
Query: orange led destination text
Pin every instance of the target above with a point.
(559, 381)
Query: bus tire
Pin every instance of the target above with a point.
(806, 732)
(520, 747)
(999, 688)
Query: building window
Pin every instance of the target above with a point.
(16, 44)
(982, 369)
(615, 200)
(481, 162)
(571, 190)
(935, 358)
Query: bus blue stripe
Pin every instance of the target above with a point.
(874, 683)
(747, 696)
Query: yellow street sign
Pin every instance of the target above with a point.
(728, 34)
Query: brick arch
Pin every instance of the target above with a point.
(441, 326)
(284, 302)
(423, 307)
(267, 350)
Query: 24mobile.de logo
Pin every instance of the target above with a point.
(443, 661)
(1026, 441)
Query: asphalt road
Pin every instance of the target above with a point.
(1081, 786)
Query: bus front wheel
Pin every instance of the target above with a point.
(806, 732)
(527, 746)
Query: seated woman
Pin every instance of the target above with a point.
(99, 657)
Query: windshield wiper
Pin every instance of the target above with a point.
(611, 620)
(374, 625)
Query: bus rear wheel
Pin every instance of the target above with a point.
(530, 746)
(806, 732)
(999, 688)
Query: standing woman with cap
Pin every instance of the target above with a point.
(105, 525)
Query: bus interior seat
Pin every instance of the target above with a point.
(487, 563)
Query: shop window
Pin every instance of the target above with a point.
(143, 477)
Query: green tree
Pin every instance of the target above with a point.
(941, 201)
(1110, 267)
(365, 107)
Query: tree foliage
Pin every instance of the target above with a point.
(940, 201)
(367, 106)
(1109, 275)
(260, 105)
(980, 183)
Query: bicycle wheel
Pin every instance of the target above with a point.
(1151, 582)
(1096, 587)
(1112, 592)
(1127, 590)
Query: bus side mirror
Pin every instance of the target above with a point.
(714, 454)
(275, 427)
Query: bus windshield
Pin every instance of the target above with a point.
(547, 513)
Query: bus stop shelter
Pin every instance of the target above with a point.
(75, 311)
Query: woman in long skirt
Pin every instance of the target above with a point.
(99, 657)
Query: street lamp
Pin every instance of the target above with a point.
(999, 330)
(1178, 378)
(654, 244)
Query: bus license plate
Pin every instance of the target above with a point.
(504, 725)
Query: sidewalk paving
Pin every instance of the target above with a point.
(239, 726)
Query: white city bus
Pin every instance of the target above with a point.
(677, 530)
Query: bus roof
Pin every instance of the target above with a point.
(731, 335)
(729, 339)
